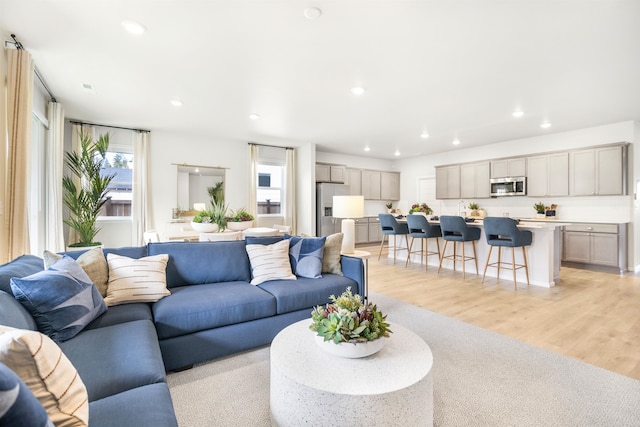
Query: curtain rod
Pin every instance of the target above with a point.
(19, 46)
(76, 122)
(272, 146)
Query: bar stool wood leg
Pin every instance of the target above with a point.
(526, 264)
(381, 245)
(446, 242)
(409, 255)
(486, 265)
(464, 261)
(475, 257)
(513, 267)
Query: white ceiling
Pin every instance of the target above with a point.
(456, 69)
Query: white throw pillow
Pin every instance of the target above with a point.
(50, 376)
(92, 262)
(270, 262)
(136, 280)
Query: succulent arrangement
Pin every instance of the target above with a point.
(421, 207)
(348, 319)
(240, 215)
(216, 215)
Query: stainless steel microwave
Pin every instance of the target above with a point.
(510, 186)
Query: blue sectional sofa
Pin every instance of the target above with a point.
(123, 355)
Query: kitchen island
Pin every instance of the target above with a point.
(543, 255)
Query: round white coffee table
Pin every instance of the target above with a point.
(308, 385)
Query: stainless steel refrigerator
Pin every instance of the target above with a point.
(326, 224)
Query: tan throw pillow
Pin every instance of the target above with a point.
(136, 280)
(50, 376)
(92, 262)
(270, 262)
(331, 256)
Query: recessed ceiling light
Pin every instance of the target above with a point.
(517, 113)
(545, 125)
(424, 135)
(397, 153)
(176, 103)
(254, 116)
(133, 27)
(312, 13)
(456, 141)
(357, 90)
(367, 148)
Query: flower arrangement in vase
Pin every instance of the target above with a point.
(420, 208)
(347, 327)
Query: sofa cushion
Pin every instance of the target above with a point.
(305, 255)
(197, 263)
(262, 240)
(331, 255)
(136, 279)
(50, 376)
(194, 308)
(306, 293)
(13, 314)
(18, 405)
(116, 358)
(93, 262)
(23, 266)
(61, 299)
(270, 262)
(122, 313)
(149, 405)
(129, 251)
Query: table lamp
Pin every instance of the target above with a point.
(347, 208)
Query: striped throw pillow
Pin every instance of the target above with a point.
(50, 376)
(136, 280)
(270, 262)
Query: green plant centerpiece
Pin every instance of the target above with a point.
(85, 189)
(347, 320)
(215, 218)
(540, 208)
(421, 208)
(239, 220)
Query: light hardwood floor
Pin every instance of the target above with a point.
(590, 316)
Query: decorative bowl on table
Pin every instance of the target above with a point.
(349, 328)
(239, 225)
(204, 227)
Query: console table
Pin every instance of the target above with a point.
(309, 385)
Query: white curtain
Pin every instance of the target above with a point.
(54, 236)
(16, 153)
(290, 190)
(76, 131)
(254, 152)
(141, 210)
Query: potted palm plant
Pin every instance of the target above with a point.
(85, 189)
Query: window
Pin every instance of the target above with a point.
(270, 189)
(119, 162)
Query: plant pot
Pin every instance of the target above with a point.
(204, 227)
(239, 226)
(482, 213)
(540, 215)
(351, 350)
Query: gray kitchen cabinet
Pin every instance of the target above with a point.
(548, 175)
(596, 171)
(597, 244)
(330, 173)
(389, 186)
(371, 184)
(362, 230)
(448, 182)
(354, 181)
(509, 167)
(375, 232)
(474, 181)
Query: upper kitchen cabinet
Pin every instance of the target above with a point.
(448, 182)
(389, 185)
(596, 171)
(371, 185)
(508, 167)
(548, 175)
(474, 181)
(330, 173)
(354, 181)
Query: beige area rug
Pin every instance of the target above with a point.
(480, 379)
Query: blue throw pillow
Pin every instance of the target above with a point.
(61, 299)
(305, 254)
(18, 406)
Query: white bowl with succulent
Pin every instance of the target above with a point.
(347, 327)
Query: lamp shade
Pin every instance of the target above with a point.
(348, 206)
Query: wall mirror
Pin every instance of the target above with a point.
(193, 182)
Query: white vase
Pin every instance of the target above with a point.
(204, 227)
(239, 226)
(351, 350)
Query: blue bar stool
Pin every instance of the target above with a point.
(419, 228)
(455, 229)
(391, 227)
(504, 232)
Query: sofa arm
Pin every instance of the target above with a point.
(353, 268)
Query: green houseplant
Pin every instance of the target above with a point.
(239, 220)
(348, 320)
(86, 199)
(421, 207)
(540, 208)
